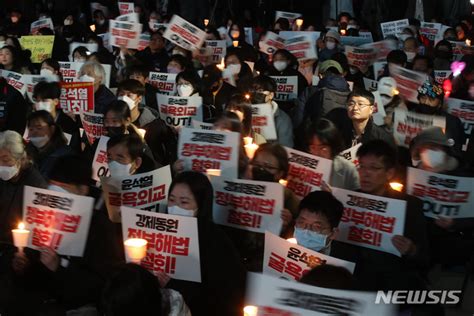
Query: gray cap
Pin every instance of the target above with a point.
(432, 135)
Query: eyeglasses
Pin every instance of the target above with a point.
(264, 166)
(316, 227)
(361, 106)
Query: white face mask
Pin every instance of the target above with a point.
(86, 78)
(261, 43)
(119, 170)
(130, 102)
(67, 22)
(151, 24)
(433, 158)
(39, 142)
(410, 56)
(6, 173)
(185, 90)
(43, 106)
(57, 188)
(234, 34)
(280, 65)
(80, 60)
(234, 69)
(46, 72)
(176, 210)
(330, 45)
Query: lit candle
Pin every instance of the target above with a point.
(343, 32)
(250, 150)
(283, 182)
(248, 140)
(135, 249)
(292, 241)
(20, 237)
(250, 310)
(206, 22)
(468, 42)
(142, 132)
(247, 96)
(299, 23)
(92, 27)
(213, 172)
(395, 92)
(235, 43)
(221, 66)
(396, 186)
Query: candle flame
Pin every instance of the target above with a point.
(299, 22)
(21, 226)
(283, 182)
(395, 92)
(343, 32)
(221, 66)
(396, 186)
(92, 27)
(468, 42)
(292, 241)
(235, 43)
(206, 22)
(250, 310)
(135, 242)
(248, 140)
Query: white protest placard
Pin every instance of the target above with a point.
(366, 35)
(144, 41)
(383, 48)
(393, 27)
(440, 35)
(202, 125)
(441, 75)
(100, 165)
(91, 47)
(106, 41)
(442, 195)
(370, 221)
(430, 30)
(378, 113)
(126, 7)
(283, 259)
(408, 82)
(165, 83)
(263, 121)
(208, 149)
(354, 41)
(249, 205)
(290, 16)
(371, 85)
(272, 43)
(314, 35)
(460, 49)
(57, 220)
(351, 154)
(219, 50)
(278, 297)
(179, 111)
(408, 124)
(464, 110)
(307, 172)
(184, 34)
(14, 79)
(302, 47)
(93, 125)
(360, 57)
(126, 34)
(287, 88)
(173, 242)
(146, 191)
(129, 17)
(155, 26)
(39, 24)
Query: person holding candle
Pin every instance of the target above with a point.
(16, 171)
(237, 71)
(223, 276)
(243, 108)
(244, 49)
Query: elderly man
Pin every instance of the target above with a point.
(103, 97)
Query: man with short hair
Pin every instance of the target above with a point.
(356, 122)
(155, 55)
(141, 73)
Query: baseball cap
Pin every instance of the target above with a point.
(387, 86)
(325, 65)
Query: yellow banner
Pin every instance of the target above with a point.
(41, 46)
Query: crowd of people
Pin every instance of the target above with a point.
(42, 145)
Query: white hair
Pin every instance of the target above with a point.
(13, 142)
(97, 69)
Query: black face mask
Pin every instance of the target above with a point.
(258, 98)
(261, 174)
(426, 109)
(115, 130)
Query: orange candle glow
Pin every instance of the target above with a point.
(20, 237)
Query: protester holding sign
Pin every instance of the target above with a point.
(103, 97)
(155, 54)
(16, 171)
(223, 277)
